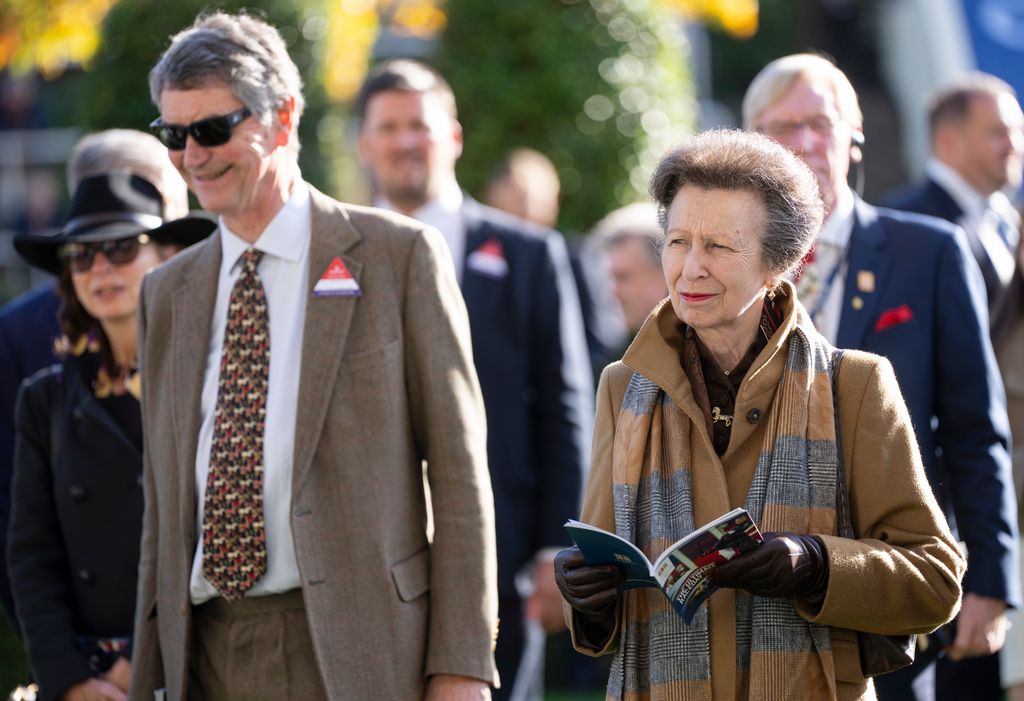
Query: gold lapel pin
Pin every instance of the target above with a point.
(857, 303)
(865, 281)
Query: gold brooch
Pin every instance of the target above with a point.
(717, 415)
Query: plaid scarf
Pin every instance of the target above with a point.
(779, 655)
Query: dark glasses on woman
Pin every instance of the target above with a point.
(213, 131)
(79, 256)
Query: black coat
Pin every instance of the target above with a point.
(76, 521)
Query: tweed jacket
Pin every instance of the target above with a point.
(387, 399)
(903, 573)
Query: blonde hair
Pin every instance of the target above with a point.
(776, 78)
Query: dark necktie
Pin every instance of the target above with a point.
(234, 538)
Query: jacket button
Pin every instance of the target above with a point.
(77, 492)
(754, 415)
(77, 413)
(85, 576)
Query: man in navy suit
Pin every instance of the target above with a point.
(977, 137)
(528, 343)
(906, 287)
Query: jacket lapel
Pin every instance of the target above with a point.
(866, 275)
(472, 281)
(326, 328)
(192, 317)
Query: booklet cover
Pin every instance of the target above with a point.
(683, 571)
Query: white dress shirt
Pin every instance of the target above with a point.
(284, 273)
(830, 255)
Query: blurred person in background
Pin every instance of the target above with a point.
(977, 138)
(1008, 337)
(629, 237)
(525, 184)
(726, 398)
(529, 346)
(28, 323)
(76, 506)
(906, 287)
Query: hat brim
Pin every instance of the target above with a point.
(184, 232)
(40, 251)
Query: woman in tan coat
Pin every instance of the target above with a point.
(724, 399)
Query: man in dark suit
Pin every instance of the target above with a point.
(528, 340)
(906, 287)
(977, 137)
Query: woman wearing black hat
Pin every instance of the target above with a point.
(76, 497)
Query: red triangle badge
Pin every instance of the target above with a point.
(337, 281)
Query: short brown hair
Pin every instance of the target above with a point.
(949, 106)
(729, 159)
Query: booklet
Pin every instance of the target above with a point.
(684, 570)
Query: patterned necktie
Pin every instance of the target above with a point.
(234, 538)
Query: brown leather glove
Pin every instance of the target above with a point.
(591, 591)
(786, 564)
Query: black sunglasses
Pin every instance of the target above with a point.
(213, 131)
(79, 256)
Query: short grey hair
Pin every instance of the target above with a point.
(729, 159)
(776, 78)
(240, 51)
(638, 221)
(134, 151)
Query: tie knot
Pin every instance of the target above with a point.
(250, 259)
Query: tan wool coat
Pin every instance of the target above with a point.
(387, 396)
(902, 574)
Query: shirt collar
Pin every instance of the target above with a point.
(286, 236)
(969, 200)
(838, 225)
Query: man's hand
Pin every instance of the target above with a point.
(545, 604)
(980, 627)
(94, 690)
(786, 564)
(591, 591)
(448, 687)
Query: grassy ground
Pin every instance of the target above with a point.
(13, 668)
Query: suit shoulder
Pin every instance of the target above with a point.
(922, 228)
(176, 270)
(913, 198)
(29, 303)
(861, 368)
(374, 220)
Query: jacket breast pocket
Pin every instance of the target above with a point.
(412, 575)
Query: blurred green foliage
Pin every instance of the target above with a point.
(13, 666)
(113, 92)
(602, 87)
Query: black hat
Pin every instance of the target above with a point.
(113, 206)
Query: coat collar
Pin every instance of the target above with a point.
(655, 353)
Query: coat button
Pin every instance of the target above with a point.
(77, 492)
(754, 415)
(77, 413)
(85, 576)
